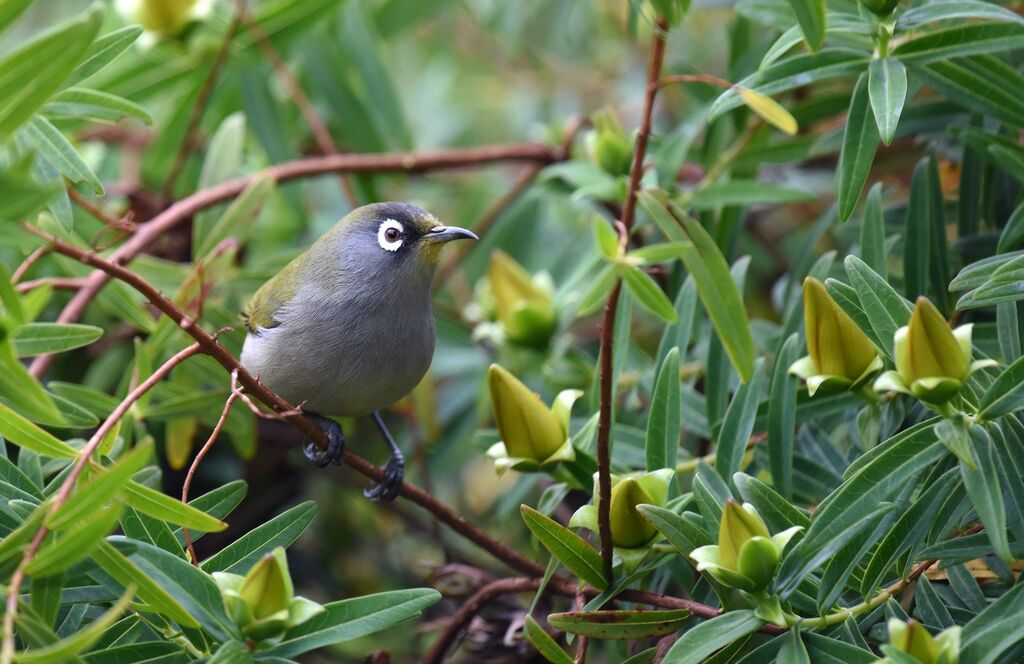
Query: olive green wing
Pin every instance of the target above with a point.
(263, 309)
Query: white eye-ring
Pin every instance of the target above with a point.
(389, 235)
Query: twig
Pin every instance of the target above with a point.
(64, 492)
(27, 264)
(236, 392)
(298, 95)
(407, 162)
(694, 78)
(81, 201)
(582, 642)
(469, 609)
(604, 422)
(203, 100)
(58, 283)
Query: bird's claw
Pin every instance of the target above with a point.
(335, 447)
(389, 487)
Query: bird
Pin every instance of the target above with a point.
(347, 327)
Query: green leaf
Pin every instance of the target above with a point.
(1006, 395)
(845, 561)
(715, 286)
(648, 293)
(679, 532)
(738, 424)
(704, 639)
(959, 41)
(102, 51)
(23, 433)
(92, 105)
(45, 596)
(34, 70)
(599, 290)
(218, 503)
(121, 569)
(872, 233)
(190, 587)
(980, 83)
(15, 541)
(995, 630)
(545, 645)
(982, 484)
(104, 486)
(354, 618)
(886, 310)
(776, 511)
(223, 161)
(69, 546)
(10, 10)
(860, 140)
(746, 192)
(887, 89)
(921, 215)
(793, 650)
(605, 238)
(282, 530)
(39, 338)
(810, 14)
(154, 531)
(147, 652)
(56, 149)
(948, 10)
(20, 390)
(782, 417)
(626, 624)
(95, 401)
(159, 505)
(571, 550)
(881, 474)
(68, 647)
(663, 420)
(240, 216)
(981, 271)
(1012, 236)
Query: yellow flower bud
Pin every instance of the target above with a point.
(629, 529)
(912, 638)
(267, 588)
(165, 16)
(840, 355)
(523, 306)
(739, 524)
(529, 429)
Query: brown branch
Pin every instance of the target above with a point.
(98, 214)
(58, 283)
(235, 393)
(604, 422)
(26, 265)
(203, 100)
(469, 609)
(64, 492)
(407, 162)
(298, 95)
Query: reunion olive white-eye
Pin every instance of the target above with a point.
(347, 327)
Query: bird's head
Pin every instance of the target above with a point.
(394, 237)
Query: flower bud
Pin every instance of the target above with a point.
(746, 557)
(163, 18)
(262, 603)
(912, 638)
(880, 8)
(629, 529)
(611, 148)
(522, 303)
(532, 434)
(932, 361)
(840, 355)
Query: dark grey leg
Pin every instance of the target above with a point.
(391, 485)
(336, 448)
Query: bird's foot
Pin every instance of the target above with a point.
(336, 443)
(389, 487)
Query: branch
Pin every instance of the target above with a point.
(407, 162)
(203, 100)
(604, 422)
(64, 492)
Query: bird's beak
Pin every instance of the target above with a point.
(449, 233)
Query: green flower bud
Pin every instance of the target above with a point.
(932, 361)
(758, 559)
(840, 355)
(629, 529)
(267, 588)
(880, 7)
(912, 638)
(611, 148)
(522, 303)
(739, 524)
(163, 18)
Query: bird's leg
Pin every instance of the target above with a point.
(391, 485)
(336, 442)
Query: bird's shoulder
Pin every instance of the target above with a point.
(263, 310)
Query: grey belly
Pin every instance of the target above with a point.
(339, 373)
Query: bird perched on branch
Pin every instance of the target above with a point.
(347, 327)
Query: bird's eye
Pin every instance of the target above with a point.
(389, 235)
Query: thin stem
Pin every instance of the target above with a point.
(406, 162)
(27, 264)
(203, 100)
(695, 78)
(7, 653)
(604, 422)
(235, 393)
(57, 283)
